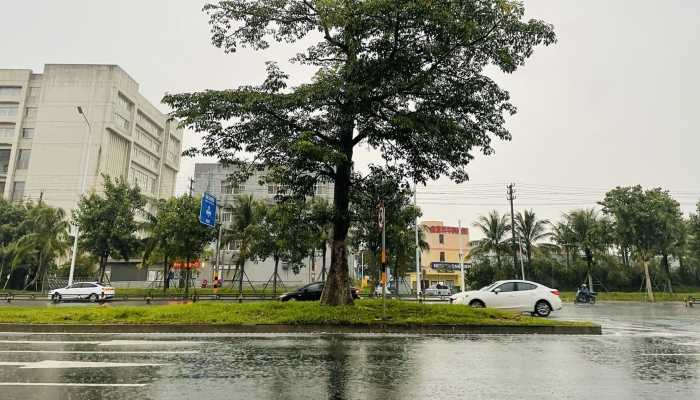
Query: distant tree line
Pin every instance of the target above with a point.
(637, 240)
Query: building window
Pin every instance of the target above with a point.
(10, 90)
(147, 124)
(145, 181)
(121, 122)
(173, 150)
(226, 216)
(124, 104)
(4, 160)
(441, 238)
(145, 158)
(226, 188)
(2, 189)
(7, 131)
(23, 158)
(30, 113)
(8, 109)
(18, 191)
(442, 256)
(27, 133)
(147, 141)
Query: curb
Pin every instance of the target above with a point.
(379, 328)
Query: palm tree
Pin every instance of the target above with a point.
(584, 234)
(245, 216)
(494, 227)
(47, 236)
(530, 230)
(562, 237)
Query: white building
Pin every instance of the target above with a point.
(43, 137)
(212, 178)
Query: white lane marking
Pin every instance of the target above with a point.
(108, 342)
(60, 364)
(98, 352)
(72, 384)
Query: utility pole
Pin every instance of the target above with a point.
(461, 256)
(85, 161)
(418, 280)
(382, 226)
(520, 251)
(41, 196)
(511, 197)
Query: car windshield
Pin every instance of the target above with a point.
(489, 287)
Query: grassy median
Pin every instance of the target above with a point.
(634, 296)
(363, 313)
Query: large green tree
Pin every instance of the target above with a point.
(190, 237)
(11, 230)
(407, 78)
(108, 222)
(650, 220)
(400, 216)
(283, 233)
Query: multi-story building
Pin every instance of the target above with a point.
(440, 263)
(43, 138)
(213, 178)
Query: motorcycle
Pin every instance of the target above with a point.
(584, 297)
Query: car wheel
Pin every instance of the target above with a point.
(477, 304)
(94, 298)
(56, 298)
(542, 308)
(292, 299)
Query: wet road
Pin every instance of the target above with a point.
(646, 352)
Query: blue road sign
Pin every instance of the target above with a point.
(207, 210)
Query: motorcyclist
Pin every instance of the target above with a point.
(584, 293)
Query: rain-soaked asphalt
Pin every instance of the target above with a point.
(646, 352)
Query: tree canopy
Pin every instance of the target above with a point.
(107, 222)
(406, 78)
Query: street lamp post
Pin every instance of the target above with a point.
(86, 158)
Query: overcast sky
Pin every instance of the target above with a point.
(614, 102)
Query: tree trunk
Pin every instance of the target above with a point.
(313, 263)
(566, 250)
(166, 273)
(528, 250)
(103, 267)
(241, 271)
(589, 262)
(274, 277)
(498, 260)
(336, 290)
(667, 269)
(323, 265)
(187, 276)
(647, 279)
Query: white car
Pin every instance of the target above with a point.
(92, 291)
(438, 290)
(515, 295)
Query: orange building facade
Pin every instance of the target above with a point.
(441, 263)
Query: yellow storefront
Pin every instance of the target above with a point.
(440, 264)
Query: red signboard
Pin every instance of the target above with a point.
(183, 265)
(448, 229)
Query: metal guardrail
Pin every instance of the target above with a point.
(149, 298)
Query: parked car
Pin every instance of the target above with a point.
(389, 291)
(311, 292)
(92, 291)
(438, 290)
(515, 295)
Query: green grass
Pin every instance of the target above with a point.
(633, 296)
(364, 312)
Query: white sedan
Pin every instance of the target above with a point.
(515, 295)
(92, 291)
